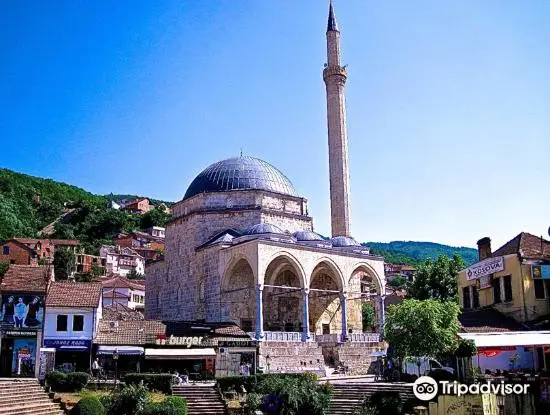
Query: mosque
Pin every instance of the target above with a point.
(241, 248)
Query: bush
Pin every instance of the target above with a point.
(387, 403)
(67, 382)
(160, 382)
(129, 401)
(88, 406)
(233, 383)
(172, 405)
(76, 381)
(56, 380)
(441, 375)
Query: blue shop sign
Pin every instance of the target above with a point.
(68, 344)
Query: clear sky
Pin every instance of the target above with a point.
(448, 104)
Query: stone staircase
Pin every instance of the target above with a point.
(25, 396)
(201, 400)
(293, 357)
(348, 396)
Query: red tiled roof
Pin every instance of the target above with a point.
(28, 240)
(132, 332)
(65, 242)
(120, 312)
(20, 244)
(73, 294)
(526, 245)
(487, 320)
(113, 294)
(26, 278)
(122, 282)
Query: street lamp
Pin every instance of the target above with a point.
(115, 358)
(267, 358)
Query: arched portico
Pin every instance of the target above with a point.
(238, 295)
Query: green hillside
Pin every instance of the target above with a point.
(28, 204)
(411, 253)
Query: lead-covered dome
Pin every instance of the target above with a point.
(240, 173)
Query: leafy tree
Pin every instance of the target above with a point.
(134, 275)
(64, 263)
(83, 277)
(97, 270)
(437, 279)
(417, 328)
(3, 269)
(155, 217)
(397, 282)
(369, 316)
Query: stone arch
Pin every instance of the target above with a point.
(365, 285)
(283, 302)
(325, 309)
(238, 294)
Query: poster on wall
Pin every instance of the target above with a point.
(24, 357)
(47, 362)
(540, 271)
(18, 312)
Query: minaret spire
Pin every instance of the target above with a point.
(335, 76)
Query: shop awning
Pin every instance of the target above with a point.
(180, 354)
(514, 338)
(122, 350)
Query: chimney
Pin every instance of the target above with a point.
(484, 248)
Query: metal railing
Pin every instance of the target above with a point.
(296, 336)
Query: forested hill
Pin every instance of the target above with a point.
(411, 253)
(28, 204)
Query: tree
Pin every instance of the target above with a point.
(437, 279)
(155, 217)
(134, 275)
(397, 282)
(417, 328)
(369, 316)
(3, 269)
(97, 270)
(64, 264)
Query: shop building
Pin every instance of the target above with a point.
(73, 312)
(130, 339)
(23, 290)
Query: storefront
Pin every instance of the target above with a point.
(197, 362)
(18, 353)
(130, 358)
(236, 357)
(70, 355)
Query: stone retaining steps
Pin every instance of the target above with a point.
(25, 397)
(201, 400)
(348, 396)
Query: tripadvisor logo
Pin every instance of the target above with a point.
(425, 388)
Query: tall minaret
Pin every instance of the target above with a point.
(335, 77)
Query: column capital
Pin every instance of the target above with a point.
(344, 294)
(260, 287)
(305, 291)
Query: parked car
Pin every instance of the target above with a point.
(411, 370)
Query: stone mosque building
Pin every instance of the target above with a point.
(241, 248)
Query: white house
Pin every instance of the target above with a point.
(120, 290)
(121, 261)
(73, 311)
(157, 231)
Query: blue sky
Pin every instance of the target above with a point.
(448, 104)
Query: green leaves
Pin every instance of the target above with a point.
(437, 279)
(369, 316)
(64, 264)
(422, 328)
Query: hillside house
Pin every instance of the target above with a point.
(139, 206)
(121, 261)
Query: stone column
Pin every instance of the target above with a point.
(382, 316)
(305, 334)
(344, 306)
(259, 312)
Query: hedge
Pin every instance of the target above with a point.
(160, 382)
(88, 406)
(249, 382)
(172, 405)
(67, 382)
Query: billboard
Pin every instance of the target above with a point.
(22, 312)
(540, 271)
(486, 267)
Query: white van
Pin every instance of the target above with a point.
(427, 364)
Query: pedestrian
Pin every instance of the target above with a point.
(96, 368)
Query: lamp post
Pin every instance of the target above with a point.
(267, 358)
(115, 358)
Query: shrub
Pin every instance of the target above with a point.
(253, 402)
(88, 406)
(172, 405)
(250, 382)
(56, 380)
(67, 382)
(129, 401)
(387, 403)
(161, 382)
(76, 381)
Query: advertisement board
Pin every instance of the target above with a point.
(486, 267)
(68, 344)
(22, 312)
(540, 272)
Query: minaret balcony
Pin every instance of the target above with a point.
(330, 71)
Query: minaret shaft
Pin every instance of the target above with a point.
(335, 77)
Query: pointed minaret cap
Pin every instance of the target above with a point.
(332, 25)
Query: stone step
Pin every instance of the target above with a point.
(31, 407)
(19, 399)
